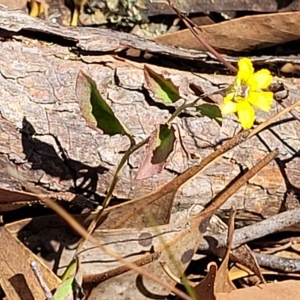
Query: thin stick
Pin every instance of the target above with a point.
(185, 177)
(273, 119)
(294, 114)
(38, 274)
(77, 227)
(283, 264)
(252, 232)
(224, 195)
(187, 22)
(93, 280)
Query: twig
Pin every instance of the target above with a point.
(228, 192)
(273, 119)
(188, 23)
(184, 177)
(77, 227)
(283, 264)
(38, 274)
(219, 200)
(252, 232)
(277, 89)
(293, 113)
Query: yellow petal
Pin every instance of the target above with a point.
(237, 81)
(261, 100)
(246, 114)
(260, 80)
(245, 69)
(229, 107)
(229, 97)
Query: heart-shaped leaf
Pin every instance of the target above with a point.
(211, 111)
(94, 108)
(160, 146)
(161, 89)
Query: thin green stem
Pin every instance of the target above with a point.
(180, 109)
(191, 104)
(125, 157)
(68, 271)
(92, 226)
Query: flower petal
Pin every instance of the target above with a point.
(260, 80)
(261, 100)
(228, 97)
(245, 69)
(228, 107)
(246, 114)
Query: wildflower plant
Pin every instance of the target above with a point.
(248, 90)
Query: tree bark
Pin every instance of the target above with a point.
(46, 140)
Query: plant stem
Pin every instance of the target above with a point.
(188, 23)
(92, 226)
(125, 157)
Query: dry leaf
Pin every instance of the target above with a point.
(176, 253)
(17, 278)
(222, 281)
(241, 34)
(205, 288)
(244, 256)
(293, 69)
(287, 290)
(14, 199)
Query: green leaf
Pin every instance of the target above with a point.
(94, 109)
(160, 88)
(211, 111)
(71, 284)
(198, 91)
(165, 144)
(65, 290)
(159, 147)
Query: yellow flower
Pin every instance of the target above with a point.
(247, 91)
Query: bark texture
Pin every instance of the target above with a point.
(45, 139)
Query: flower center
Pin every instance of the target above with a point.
(242, 91)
